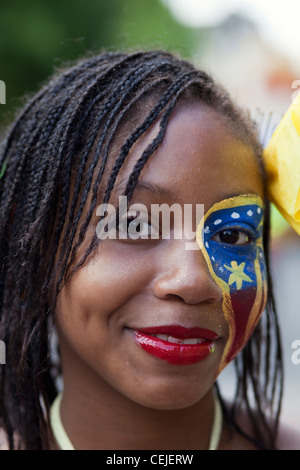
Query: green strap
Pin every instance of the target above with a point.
(3, 169)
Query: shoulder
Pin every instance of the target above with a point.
(232, 439)
(3, 441)
(288, 438)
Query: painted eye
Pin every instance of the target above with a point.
(233, 237)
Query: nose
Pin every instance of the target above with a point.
(185, 274)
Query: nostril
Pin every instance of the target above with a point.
(191, 282)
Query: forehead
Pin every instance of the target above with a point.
(200, 160)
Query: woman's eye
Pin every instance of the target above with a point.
(233, 237)
(135, 227)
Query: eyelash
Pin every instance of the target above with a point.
(235, 231)
(128, 220)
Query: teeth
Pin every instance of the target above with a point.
(171, 339)
(193, 341)
(164, 337)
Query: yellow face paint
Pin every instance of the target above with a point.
(230, 237)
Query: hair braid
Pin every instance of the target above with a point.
(99, 149)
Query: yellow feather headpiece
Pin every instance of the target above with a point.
(282, 161)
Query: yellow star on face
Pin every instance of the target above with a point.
(237, 275)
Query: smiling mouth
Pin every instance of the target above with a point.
(176, 344)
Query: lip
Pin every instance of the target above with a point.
(177, 353)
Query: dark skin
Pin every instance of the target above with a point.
(117, 396)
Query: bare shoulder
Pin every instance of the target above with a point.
(231, 439)
(288, 438)
(3, 441)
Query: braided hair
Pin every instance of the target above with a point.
(54, 158)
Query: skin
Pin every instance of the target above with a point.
(117, 396)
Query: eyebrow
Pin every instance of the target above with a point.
(153, 188)
(163, 192)
(244, 193)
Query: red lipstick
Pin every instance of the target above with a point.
(176, 344)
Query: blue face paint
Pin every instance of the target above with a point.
(231, 241)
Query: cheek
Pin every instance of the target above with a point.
(110, 279)
(97, 292)
(90, 308)
(244, 299)
(243, 310)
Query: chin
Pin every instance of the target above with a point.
(176, 398)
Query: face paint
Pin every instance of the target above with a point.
(230, 237)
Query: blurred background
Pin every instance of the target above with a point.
(251, 47)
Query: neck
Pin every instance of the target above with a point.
(99, 417)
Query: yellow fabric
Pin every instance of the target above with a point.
(279, 225)
(282, 160)
(58, 430)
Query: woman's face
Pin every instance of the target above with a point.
(156, 319)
